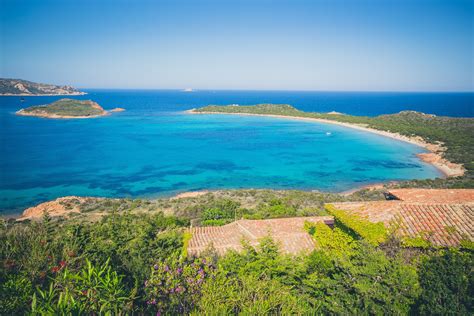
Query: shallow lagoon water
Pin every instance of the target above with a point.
(155, 149)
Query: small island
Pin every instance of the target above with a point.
(67, 108)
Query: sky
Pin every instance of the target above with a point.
(378, 45)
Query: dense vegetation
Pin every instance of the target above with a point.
(456, 134)
(134, 261)
(67, 107)
(24, 87)
(219, 207)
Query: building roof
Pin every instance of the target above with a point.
(443, 224)
(433, 195)
(288, 232)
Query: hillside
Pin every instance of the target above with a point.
(139, 257)
(11, 87)
(455, 135)
(65, 108)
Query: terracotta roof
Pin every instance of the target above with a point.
(443, 224)
(374, 211)
(433, 195)
(288, 232)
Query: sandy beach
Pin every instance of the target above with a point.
(434, 157)
(190, 194)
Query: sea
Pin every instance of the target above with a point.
(155, 149)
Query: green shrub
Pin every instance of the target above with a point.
(447, 283)
(374, 233)
(92, 290)
(416, 242)
(333, 240)
(216, 217)
(15, 294)
(174, 287)
(186, 238)
(275, 208)
(216, 222)
(364, 283)
(248, 295)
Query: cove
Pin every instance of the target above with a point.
(145, 152)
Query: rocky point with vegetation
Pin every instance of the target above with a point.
(451, 138)
(13, 87)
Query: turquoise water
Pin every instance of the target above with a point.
(155, 149)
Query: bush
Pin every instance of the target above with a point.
(216, 217)
(334, 240)
(374, 233)
(15, 294)
(274, 209)
(174, 287)
(366, 282)
(92, 290)
(248, 295)
(447, 283)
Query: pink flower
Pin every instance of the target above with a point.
(151, 302)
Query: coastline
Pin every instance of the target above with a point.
(41, 95)
(433, 157)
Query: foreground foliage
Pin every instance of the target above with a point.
(137, 264)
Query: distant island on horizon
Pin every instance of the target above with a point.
(20, 87)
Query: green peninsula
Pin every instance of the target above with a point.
(19, 87)
(450, 140)
(67, 108)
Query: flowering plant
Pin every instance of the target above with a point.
(174, 286)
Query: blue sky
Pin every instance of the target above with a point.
(291, 45)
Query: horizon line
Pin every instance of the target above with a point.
(278, 90)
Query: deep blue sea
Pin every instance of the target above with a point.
(155, 149)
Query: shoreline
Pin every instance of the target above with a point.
(433, 157)
(54, 116)
(41, 95)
